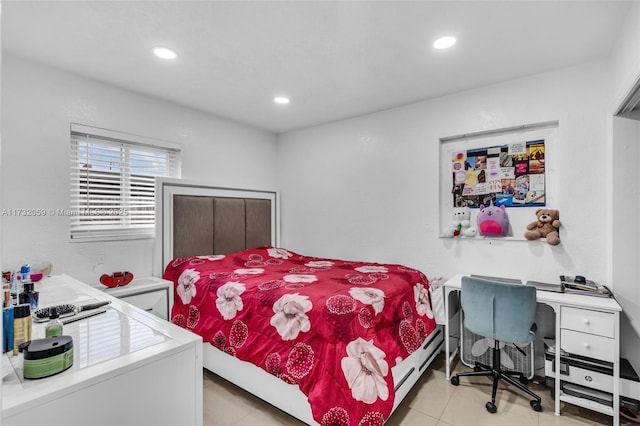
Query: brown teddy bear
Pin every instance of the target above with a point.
(545, 227)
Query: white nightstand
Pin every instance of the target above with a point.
(151, 294)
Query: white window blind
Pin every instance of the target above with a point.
(113, 182)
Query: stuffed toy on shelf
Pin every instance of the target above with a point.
(461, 224)
(546, 226)
(493, 221)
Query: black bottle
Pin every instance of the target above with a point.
(28, 295)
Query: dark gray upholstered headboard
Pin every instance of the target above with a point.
(219, 225)
(198, 219)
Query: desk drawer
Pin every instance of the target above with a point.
(587, 321)
(588, 345)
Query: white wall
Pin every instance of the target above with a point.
(624, 146)
(39, 102)
(368, 187)
(625, 58)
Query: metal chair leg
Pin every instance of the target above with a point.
(498, 374)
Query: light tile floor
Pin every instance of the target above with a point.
(432, 402)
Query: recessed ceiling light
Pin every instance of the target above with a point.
(281, 100)
(163, 53)
(444, 42)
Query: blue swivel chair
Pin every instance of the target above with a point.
(504, 312)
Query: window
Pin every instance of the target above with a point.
(113, 182)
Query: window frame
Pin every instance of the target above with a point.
(125, 179)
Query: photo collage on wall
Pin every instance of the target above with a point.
(508, 175)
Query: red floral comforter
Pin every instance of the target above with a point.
(331, 326)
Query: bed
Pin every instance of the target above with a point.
(329, 341)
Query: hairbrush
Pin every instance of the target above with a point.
(67, 310)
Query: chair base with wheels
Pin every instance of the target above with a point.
(498, 374)
(503, 312)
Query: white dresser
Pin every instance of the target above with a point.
(130, 368)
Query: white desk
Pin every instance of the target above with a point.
(590, 325)
(129, 368)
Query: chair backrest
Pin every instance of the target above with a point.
(499, 310)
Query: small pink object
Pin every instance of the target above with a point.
(36, 276)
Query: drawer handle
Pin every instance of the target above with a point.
(587, 345)
(586, 321)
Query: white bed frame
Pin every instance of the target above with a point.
(253, 379)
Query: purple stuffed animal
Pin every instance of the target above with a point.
(493, 221)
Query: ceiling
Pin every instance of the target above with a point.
(334, 59)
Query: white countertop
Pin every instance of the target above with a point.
(103, 345)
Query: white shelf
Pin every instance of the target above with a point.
(586, 403)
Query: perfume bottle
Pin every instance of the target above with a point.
(21, 326)
(54, 326)
(29, 295)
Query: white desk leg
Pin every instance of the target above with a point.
(556, 360)
(616, 371)
(446, 334)
(451, 354)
